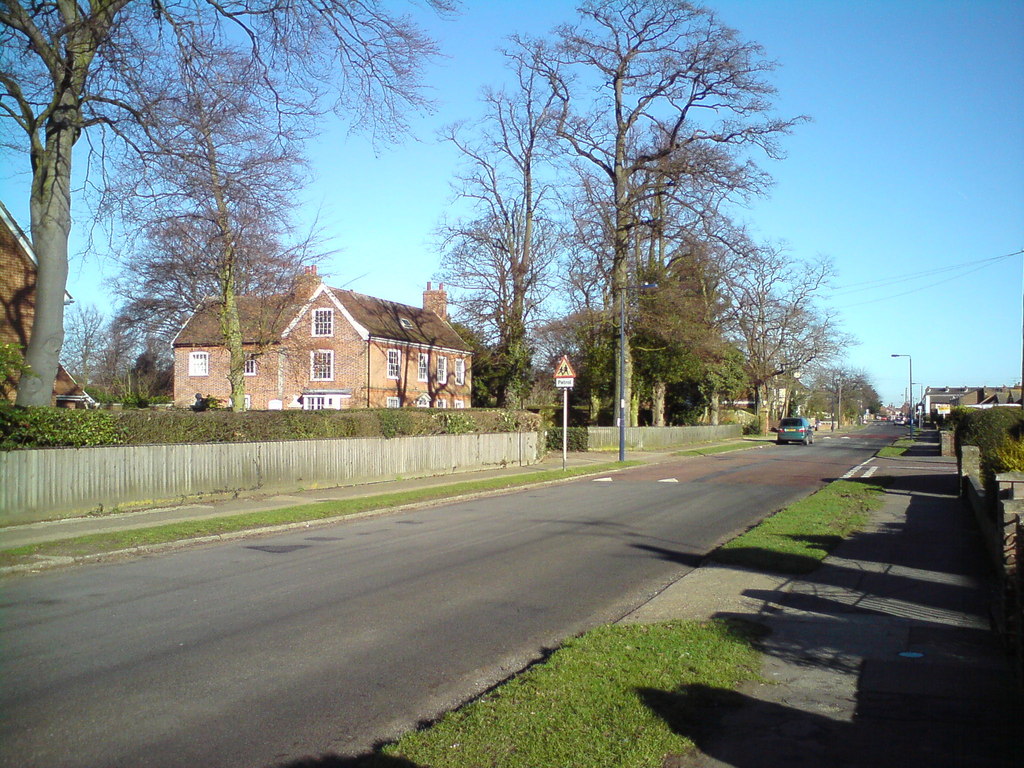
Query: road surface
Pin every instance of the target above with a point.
(319, 643)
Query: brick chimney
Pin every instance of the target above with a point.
(307, 282)
(436, 300)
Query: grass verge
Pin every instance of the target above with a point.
(619, 695)
(716, 449)
(629, 695)
(799, 537)
(896, 449)
(112, 541)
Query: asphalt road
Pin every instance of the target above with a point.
(263, 651)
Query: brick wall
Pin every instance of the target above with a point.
(17, 298)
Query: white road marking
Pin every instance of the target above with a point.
(856, 469)
(602, 480)
(870, 471)
(669, 480)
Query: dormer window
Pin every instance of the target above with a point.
(406, 323)
(323, 322)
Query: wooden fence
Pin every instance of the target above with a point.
(45, 484)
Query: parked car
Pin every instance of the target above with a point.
(793, 429)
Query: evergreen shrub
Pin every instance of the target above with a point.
(57, 427)
(47, 427)
(578, 439)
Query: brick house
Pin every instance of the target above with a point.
(325, 347)
(18, 267)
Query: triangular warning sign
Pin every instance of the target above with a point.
(564, 370)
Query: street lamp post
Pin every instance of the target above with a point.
(910, 391)
(622, 362)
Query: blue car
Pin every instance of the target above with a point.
(795, 430)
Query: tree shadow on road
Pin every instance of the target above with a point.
(372, 760)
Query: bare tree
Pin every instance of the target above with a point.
(84, 342)
(216, 170)
(774, 318)
(67, 68)
(501, 260)
(668, 77)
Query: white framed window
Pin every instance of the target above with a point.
(321, 365)
(394, 363)
(250, 365)
(460, 403)
(423, 369)
(199, 364)
(441, 403)
(423, 401)
(442, 370)
(323, 322)
(315, 402)
(460, 371)
(394, 402)
(248, 402)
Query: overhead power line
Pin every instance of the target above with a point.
(961, 270)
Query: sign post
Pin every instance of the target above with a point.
(565, 377)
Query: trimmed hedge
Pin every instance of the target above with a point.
(578, 439)
(58, 427)
(994, 431)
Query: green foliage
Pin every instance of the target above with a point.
(12, 363)
(1008, 456)
(395, 422)
(988, 427)
(25, 428)
(456, 423)
(578, 439)
(45, 427)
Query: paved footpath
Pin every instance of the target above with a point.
(883, 656)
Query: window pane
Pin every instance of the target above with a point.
(322, 368)
(323, 322)
(199, 364)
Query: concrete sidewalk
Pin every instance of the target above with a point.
(883, 656)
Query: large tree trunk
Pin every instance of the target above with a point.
(50, 209)
(716, 408)
(658, 407)
(761, 395)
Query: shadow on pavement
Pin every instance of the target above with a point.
(738, 730)
(884, 655)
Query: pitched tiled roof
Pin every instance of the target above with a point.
(265, 319)
(384, 320)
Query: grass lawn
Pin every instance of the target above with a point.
(718, 449)
(113, 541)
(620, 695)
(896, 449)
(799, 537)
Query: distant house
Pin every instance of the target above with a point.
(18, 269)
(939, 401)
(329, 348)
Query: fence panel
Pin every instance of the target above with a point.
(44, 484)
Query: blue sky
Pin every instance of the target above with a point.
(910, 177)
